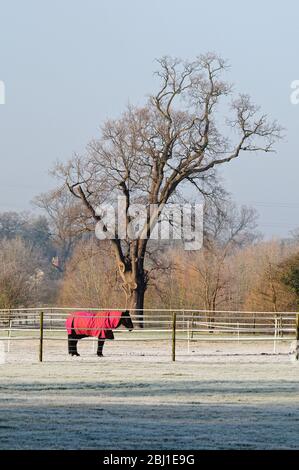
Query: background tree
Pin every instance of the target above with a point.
(289, 275)
(267, 267)
(226, 230)
(23, 276)
(67, 221)
(211, 271)
(178, 138)
(30, 228)
(90, 277)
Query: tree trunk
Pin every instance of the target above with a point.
(135, 285)
(136, 304)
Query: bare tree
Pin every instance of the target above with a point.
(259, 269)
(23, 279)
(28, 227)
(84, 284)
(227, 230)
(67, 220)
(178, 138)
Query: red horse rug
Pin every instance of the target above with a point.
(97, 324)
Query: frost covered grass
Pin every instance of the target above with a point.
(220, 396)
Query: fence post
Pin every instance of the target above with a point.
(192, 325)
(275, 333)
(173, 335)
(297, 337)
(41, 336)
(281, 326)
(9, 336)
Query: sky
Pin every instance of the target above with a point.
(69, 65)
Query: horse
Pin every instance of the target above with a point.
(97, 324)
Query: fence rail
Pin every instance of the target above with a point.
(176, 326)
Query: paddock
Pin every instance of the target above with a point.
(111, 404)
(36, 334)
(226, 389)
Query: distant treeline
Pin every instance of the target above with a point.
(42, 265)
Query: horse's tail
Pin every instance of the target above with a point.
(69, 324)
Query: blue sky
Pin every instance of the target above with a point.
(68, 65)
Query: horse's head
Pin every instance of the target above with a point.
(126, 320)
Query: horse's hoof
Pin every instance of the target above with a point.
(100, 355)
(75, 354)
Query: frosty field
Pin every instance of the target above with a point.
(219, 396)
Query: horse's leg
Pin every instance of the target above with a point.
(100, 347)
(69, 343)
(74, 351)
(72, 344)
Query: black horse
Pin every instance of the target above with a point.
(124, 320)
